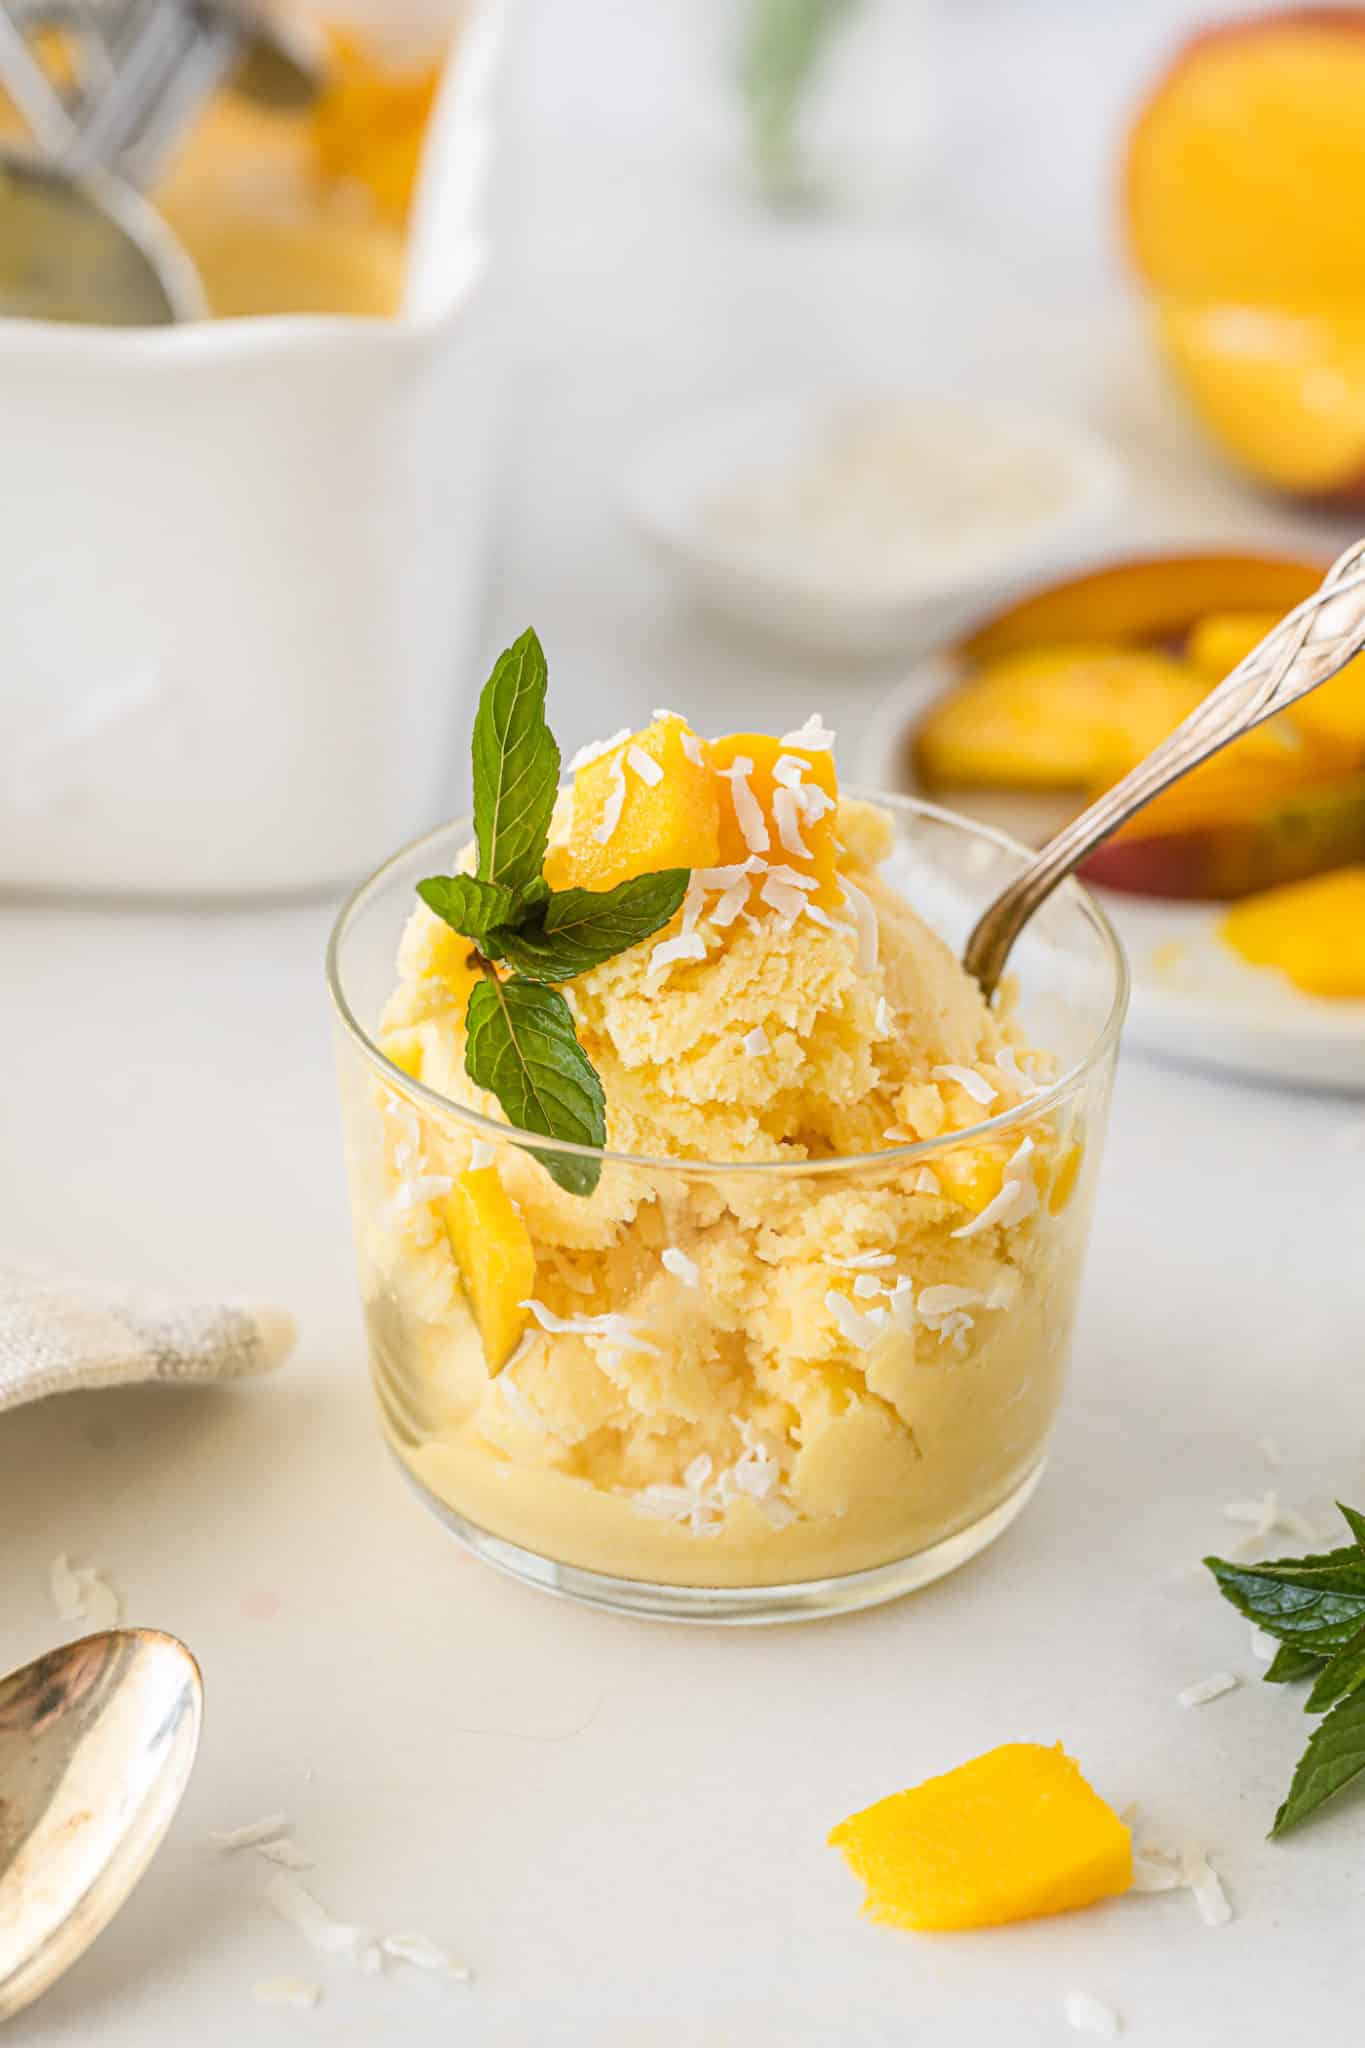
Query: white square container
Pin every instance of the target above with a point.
(240, 568)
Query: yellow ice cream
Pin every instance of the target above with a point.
(731, 1376)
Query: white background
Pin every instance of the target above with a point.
(621, 1828)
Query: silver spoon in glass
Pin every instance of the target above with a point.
(97, 1741)
(1307, 648)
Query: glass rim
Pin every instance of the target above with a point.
(494, 1129)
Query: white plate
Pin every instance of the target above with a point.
(1193, 999)
(677, 475)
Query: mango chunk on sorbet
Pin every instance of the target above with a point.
(1013, 1835)
(404, 1048)
(1313, 931)
(627, 821)
(767, 800)
(972, 1175)
(492, 1248)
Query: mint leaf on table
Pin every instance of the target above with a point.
(521, 1047)
(1344, 1674)
(1315, 1606)
(1316, 1603)
(516, 767)
(580, 928)
(1289, 1664)
(1334, 1756)
(471, 907)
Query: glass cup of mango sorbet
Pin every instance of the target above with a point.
(801, 1349)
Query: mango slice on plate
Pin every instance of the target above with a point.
(1013, 1835)
(799, 830)
(1149, 599)
(1313, 931)
(1332, 716)
(493, 1251)
(652, 802)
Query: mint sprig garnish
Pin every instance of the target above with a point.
(520, 1042)
(1315, 1608)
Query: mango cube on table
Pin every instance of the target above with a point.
(1012, 1835)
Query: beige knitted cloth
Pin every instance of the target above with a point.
(58, 1334)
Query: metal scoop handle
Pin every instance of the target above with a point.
(1307, 648)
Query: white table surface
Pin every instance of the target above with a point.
(621, 1827)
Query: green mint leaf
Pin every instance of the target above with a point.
(521, 1047)
(1335, 1754)
(530, 897)
(1354, 1521)
(580, 928)
(516, 768)
(471, 907)
(1290, 1663)
(1316, 1603)
(1345, 1674)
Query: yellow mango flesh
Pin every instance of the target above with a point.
(1332, 717)
(1068, 1173)
(1013, 1835)
(673, 824)
(492, 1248)
(1056, 718)
(1313, 932)
(821, 860)
(404, 1048)
(973, 1175)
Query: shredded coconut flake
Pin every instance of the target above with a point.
(1090, 2015)
(1262, 1646)
(1268, 1518)
(1018, 1197)
(284, 1852)
(748, 810)
(286, 1991)
(80, 1593)
(691, 746)
(865, 926)
(645, 766)
(885, 1022)
(424, 1954)
(814, 736)
(595, 749)
(755, 1043)
(1209, 1896)
(926, 1182)
(1007, 1061)
(428, 1187)
(1205, 1689)
(687, 946)
(621, 1332)
(862, 1262)
(255, 1832)
(612, 808)
(480, 1155)
(973, 1084)
(680, 1266)
(329, 1936)
(863, 1330)
(787, 818)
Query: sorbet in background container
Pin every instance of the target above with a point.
(802, 1349)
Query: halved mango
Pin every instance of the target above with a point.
(497, 1263)
(1055, 718)
(1332, 716)
(780, 821)
(1293, 834)
(1013, 1835)
(1149, 599)
(673, 822)
(1313, 931)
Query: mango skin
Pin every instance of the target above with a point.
(1016, 1834)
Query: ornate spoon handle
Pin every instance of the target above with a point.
(1307, 647)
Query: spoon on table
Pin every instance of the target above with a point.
(97, 1741)
(1307, 647)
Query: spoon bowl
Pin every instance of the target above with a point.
(97, 1742)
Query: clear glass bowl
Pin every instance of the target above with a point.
(885, 1438)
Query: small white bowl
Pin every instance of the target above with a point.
(856, 605)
